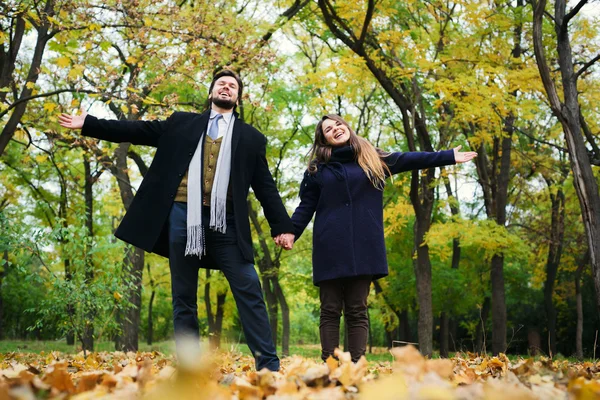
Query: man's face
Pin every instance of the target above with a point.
(225, 92)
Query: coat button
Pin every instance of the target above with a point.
(180, 175)
(191, 153)
(172, 196)
(347, 204)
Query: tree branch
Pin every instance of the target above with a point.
(573, 13)
(366, 23)
(538, 47)
(26, 99)
(283, 18)
(138, 161)
(586, 66)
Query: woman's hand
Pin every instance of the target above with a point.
(463, 156)
(285, 240)
(72, 121)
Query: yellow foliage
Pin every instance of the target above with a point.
(397, 216)
(63, 62)
(50, 107)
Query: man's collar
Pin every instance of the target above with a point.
(226, 116)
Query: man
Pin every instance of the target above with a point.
(192, 205)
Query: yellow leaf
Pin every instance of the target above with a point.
(117, 296)
(40, 158)
(50, 107)
(124, 108)
(63, 62)
(30, 85)
(76, 71)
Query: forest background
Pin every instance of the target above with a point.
(499, 256)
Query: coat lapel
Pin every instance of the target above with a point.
(199, 124)
(235, 138)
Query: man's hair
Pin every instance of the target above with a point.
(227, 72)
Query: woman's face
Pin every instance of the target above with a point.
(336, 133)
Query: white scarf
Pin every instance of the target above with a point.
(196, 241)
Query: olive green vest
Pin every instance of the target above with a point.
(209, 166)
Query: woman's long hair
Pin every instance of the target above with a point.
(369, 158)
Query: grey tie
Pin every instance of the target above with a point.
(214, 128)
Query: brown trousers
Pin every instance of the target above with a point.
(349, 295)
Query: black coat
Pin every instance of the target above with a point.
(176, 139)
(348, 238)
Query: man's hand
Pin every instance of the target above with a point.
(464, 156)
(285, 240)
(72, 121)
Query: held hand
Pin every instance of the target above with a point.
(288, 241)
(285, 240)
(463, 156)
(278, 240)
(72, 121)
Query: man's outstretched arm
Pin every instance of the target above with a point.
(136, 132)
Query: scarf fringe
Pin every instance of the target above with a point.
(195, 244)
(218, 212)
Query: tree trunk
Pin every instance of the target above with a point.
(8, 57)
(422, 266)
(88, 330)
(215, 337)
(445, 318)
(272, 306)
(406, 335)
(480, 336)
(498, 306)
(43, 36)
(579, 330)
(215, 320)
(269, 274)
(285, 320)
(569, 114)
(452, 329)
(133, 267)
(3, 274)
(444, 332)
(70, 336)
(553, 261)
(133, 262)
(150, 335)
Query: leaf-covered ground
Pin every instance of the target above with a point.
(119, 375)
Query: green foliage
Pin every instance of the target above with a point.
(78, 292)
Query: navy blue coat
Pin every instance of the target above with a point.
(348, 239)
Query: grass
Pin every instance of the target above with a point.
(312, 351)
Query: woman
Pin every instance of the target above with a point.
(344, 186)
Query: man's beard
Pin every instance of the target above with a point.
(223, 103)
